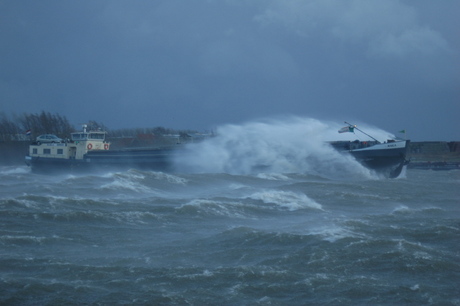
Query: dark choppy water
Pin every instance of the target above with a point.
(139, 237)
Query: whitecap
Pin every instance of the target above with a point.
(22, 238)
(214, 207)
(169, 178)
(273, 176)
(333, 233)
(125, 184)
(14, 170)
(237, 186)
(286, 199)
(401, 209)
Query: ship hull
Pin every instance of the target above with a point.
(387, 159)
(52, 165)
(153, 159)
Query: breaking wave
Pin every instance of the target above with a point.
(290, 145)
(290, 200)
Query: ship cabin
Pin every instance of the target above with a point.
(75, 148)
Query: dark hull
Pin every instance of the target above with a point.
(387, 159)
(388, 165)
(154, 159)
(160, 160)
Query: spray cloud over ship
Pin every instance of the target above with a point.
(286, 145)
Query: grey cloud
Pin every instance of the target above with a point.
(388, 28)
(419, 40)
(233, 57)
(199, 64)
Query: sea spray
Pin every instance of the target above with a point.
(288, 145)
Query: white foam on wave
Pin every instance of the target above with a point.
(6, 170)
(173, 179)
(29, 239)
(38, 202)
(401, 209)
(415, 287)
(134, 217)
(196, 276)
(237, 186)
(125, 184)
(215, 207)
(126, 181)
(286, 199)
(139, 181)
(288, 145)
(273, 176)
(23, 238)
(334, 232)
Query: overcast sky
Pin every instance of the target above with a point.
(198, 64)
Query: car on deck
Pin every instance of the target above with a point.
(48, 138)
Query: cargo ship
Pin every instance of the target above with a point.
(89, 150)
(387, 158)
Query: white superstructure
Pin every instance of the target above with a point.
(75, 148)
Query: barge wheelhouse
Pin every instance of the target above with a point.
(68, 153)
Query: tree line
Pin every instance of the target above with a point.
(24, 126)
(28, 126)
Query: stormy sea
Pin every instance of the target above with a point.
(325, 231)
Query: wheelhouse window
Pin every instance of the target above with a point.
(60, 151)
(34, 151)
(79, 136)
(86, 136)
(46, 151)
(96, 136)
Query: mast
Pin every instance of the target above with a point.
(354, 126)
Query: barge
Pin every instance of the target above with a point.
(90, 151)
(387, 158)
